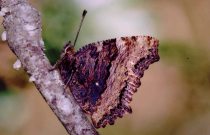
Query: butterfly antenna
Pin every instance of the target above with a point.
(83, 16)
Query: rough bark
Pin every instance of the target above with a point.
(22, 24)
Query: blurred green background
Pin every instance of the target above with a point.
(174, 98)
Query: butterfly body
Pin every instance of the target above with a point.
(104, 75)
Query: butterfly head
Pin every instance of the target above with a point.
(69, 48)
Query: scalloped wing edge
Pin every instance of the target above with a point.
(137, 53)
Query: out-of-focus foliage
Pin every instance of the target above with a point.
(58, 25)
(194, 63)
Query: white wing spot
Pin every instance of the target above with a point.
(97, 84)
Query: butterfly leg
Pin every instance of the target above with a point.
(67, 83)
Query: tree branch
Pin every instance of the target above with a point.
(22, 24)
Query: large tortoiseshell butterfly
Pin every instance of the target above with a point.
(103, 76)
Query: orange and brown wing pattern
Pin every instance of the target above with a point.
(107, 73)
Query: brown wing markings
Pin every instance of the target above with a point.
(135, 55)
(93, 71)
(107, 74)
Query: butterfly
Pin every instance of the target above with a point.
(102, 76)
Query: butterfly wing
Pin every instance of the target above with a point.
(107, 73)
(92, 64)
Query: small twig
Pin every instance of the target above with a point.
(22, 24)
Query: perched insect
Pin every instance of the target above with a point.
(103, 76)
